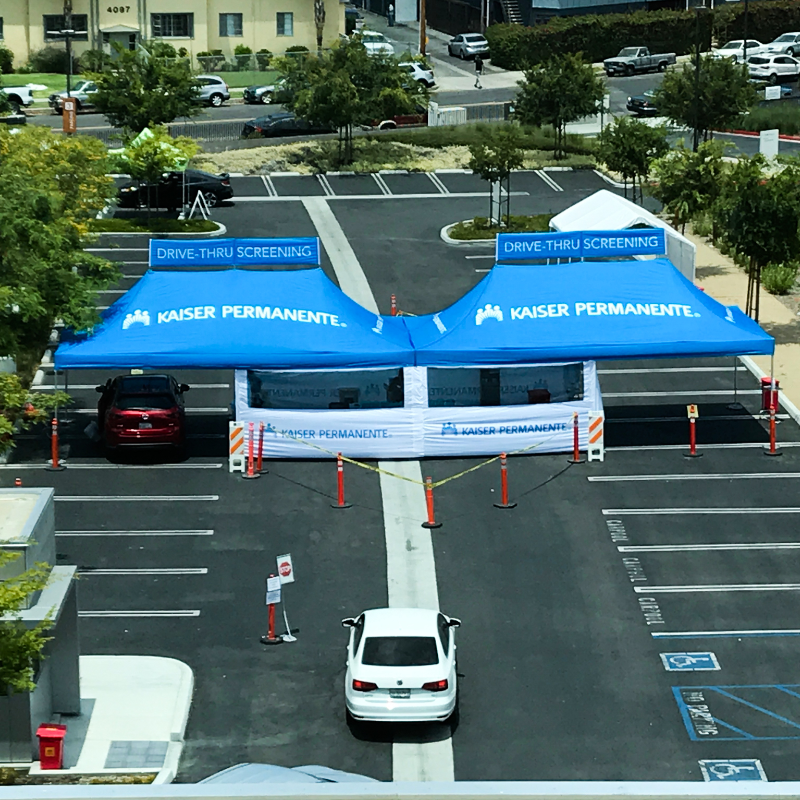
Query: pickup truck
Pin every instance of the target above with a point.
(637, 59)
(19, 96)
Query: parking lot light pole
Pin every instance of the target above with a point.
(67, 32)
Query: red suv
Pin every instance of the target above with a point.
(142, 410)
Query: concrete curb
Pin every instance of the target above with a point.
(444, 234)
(183, 705)
(221, 231)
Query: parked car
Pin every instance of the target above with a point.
(83, 92)
(142, 410)
(265, 94)
(643, 105)
(788, 43)
(174, 187)
(353, 19)
(282, 124)
(419, 73)
(19, 96)
(631, 60)
(735, 49)
(418, 117)
(773, 68)
(401, 665)
(213, 90)
(376, 43)
(468, 45)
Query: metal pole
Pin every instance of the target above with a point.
(744, 41)
(68, 40)
(422, 31)
(287, 637)
(735, 405)
(696, 104)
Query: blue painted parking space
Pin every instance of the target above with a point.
(689, 662)
(739, 769)
(761, 712)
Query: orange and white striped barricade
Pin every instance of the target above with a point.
(596, 449)
(236, 449)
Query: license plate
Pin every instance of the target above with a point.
(144, 425)
(399, 694)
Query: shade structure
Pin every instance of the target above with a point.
(292, 319)
(584, 311)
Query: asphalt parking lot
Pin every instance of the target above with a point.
(568, 601)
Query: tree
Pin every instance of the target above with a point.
(494, 158)
(319, 22)
(760, 217)
(711, 100)
(562, 90)
(21, 407)
(688, 184)
(20, 646)
(143, 87)
(50, 187)
(5, 103)
(629, 146)
(346, 87)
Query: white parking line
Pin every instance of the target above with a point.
(88, 533)
(410, 566)
(415, 196)
(548, 180)
(720, 587)
(437, 182)
(99, 614)
(145, 571)
(692, 393)
(714, 476)
(665, 512)
(323, 182)
(382, 185)
(112, 291)
(136, 498)
(725, 634)
(490, 255)
(269, 186)
(644, 371)
(699, 548)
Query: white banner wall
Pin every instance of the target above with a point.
(416, 431)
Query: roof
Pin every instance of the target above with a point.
(400, 621)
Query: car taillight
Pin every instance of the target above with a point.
(226, 182)
(365, 686)
(436, 686)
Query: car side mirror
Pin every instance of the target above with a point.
(349, 622)
(184, 387)
(454, 623)
(100, 389)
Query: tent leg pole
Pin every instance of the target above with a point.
(735, 405)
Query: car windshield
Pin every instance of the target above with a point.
(787, 37)
(474, 37)
(372, 36)
(144, 402)
(734, 45)
(400, 651)
(629, 51)
(758, 60)
(650, 94)
(82, 86)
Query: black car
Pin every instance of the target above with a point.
(175, 188)
(285, 124)
(643, 105)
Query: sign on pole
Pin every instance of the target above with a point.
(273, 590)
(69, 115)
(768, 143)
(692, 412)
(285, 568)
(772, 93)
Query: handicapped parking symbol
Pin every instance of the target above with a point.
(689, 662)
(742, 769)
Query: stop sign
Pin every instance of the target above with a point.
(285, 568)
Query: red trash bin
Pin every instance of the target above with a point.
(767, 402)
(51, 745)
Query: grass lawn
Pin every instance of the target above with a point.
(54, 81)
(479, 228)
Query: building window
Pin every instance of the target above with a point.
(230, 24)
(285, 23)
(163, 26)
(53, 23)
(1, 27)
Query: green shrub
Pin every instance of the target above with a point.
(153, 225)
(263, 58)
(779, 278)
(162, 49)
(783, 115)
(596, 36)
(93, 61)
(479, 227)
(210, 60)
(6, 61)
(766, 21)
(51, 59)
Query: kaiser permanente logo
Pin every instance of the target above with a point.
(451, 429)
(234, 312)
(587, 309)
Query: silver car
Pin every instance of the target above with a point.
(213, 90)
(788, 43)
(83, 92)
(468, 45)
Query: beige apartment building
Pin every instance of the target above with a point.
(197, 25)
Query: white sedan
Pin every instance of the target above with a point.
(401, 665)
(773, 68)
(788, 43)
(376, 43)
(735, 49)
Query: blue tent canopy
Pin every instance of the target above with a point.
(294, 319)
(583, 311)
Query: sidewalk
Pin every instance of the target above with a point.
(134, 711)
(722, 279)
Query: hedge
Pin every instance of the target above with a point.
(599, 36)
(768, 19)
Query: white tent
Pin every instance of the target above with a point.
(606, 211)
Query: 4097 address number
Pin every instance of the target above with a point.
(118, 9)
